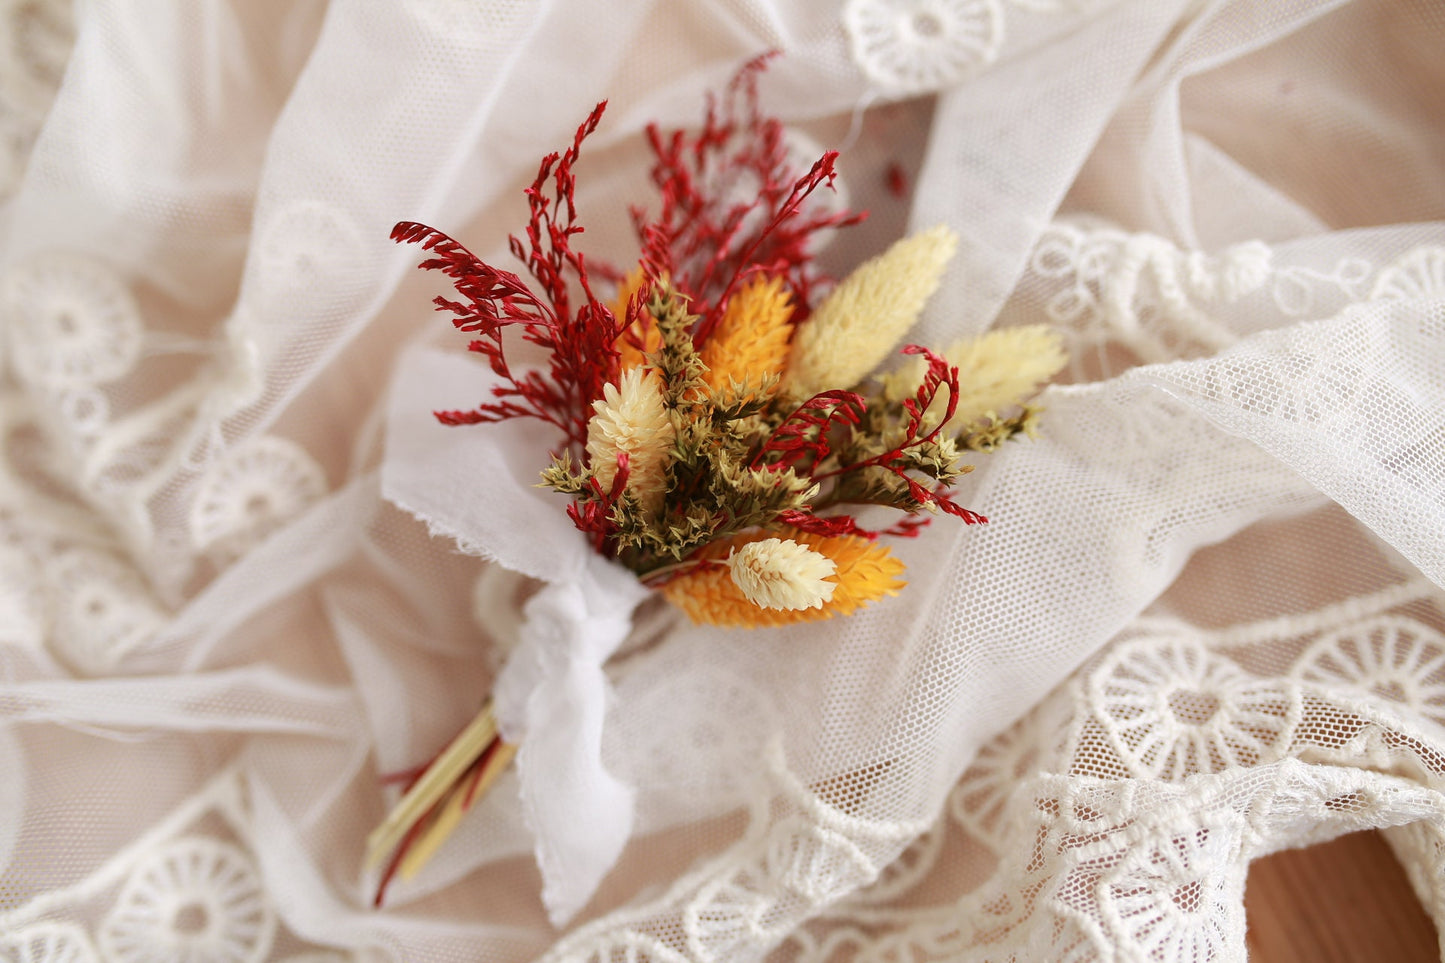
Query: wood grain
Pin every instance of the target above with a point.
(1342, 901)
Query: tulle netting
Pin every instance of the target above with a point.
(1204, 623)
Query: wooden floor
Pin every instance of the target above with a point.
(1346, 900)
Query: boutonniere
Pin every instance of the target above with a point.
(723, 426)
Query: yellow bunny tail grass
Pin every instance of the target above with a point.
(752, 339)
(643, 331)
(866, 315)
(996, 370)
(865, 572)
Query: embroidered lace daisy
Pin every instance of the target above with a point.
(864, 317)
(631, 418)
(194, 898)
(778, 573)
(912, 46)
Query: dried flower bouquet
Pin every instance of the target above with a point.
(719, 432)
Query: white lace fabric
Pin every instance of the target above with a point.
(1204, 623)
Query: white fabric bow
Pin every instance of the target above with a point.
(550, 700)
(478, 485)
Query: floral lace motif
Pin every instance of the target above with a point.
(251, 491)
(196, 899)
(981, 800)
(71, 321)
(48, 943)
(1142, 291)
(189, 891)
(665, 759)
(22, 616)
(1386, 657)
(1172, 709)
(1419, 273)
(799, 854)
(1195, 879)
(102, 608)
(919, 46)
(1104, 286)
(1179, 766)
(301, 250)
(912, 46)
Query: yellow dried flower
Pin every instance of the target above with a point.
(864, 317)
(778, 573)
(631, 417)
(643, 329)
(996, 370)
(865, 572)
(752, 338)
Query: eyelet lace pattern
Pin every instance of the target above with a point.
(48, 943)
(254, 488)
(211, 615)
(1179, 766)
(196, 899)
(70, 320)
(911, 46)
(192, 894)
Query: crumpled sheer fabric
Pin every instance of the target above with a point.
(1205, 621)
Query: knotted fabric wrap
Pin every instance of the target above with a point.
(551, 697)
(550, 700)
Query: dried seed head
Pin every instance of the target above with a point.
(631, 417)
(996, 371)
(778, 573)
(858, 324)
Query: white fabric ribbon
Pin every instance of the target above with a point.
(550, 701)
(478, 485)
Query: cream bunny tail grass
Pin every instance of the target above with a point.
(866, 315)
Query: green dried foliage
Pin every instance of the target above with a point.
(721, 481)
(991, 431)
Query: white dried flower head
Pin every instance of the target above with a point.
(631, 417)
(778, 573)
(866, 315)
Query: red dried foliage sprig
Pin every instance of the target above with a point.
(820, 430)
(580, 344)
(732, 205)
(940, 374)
(593, 515)
(801, 441)
(828, 526)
